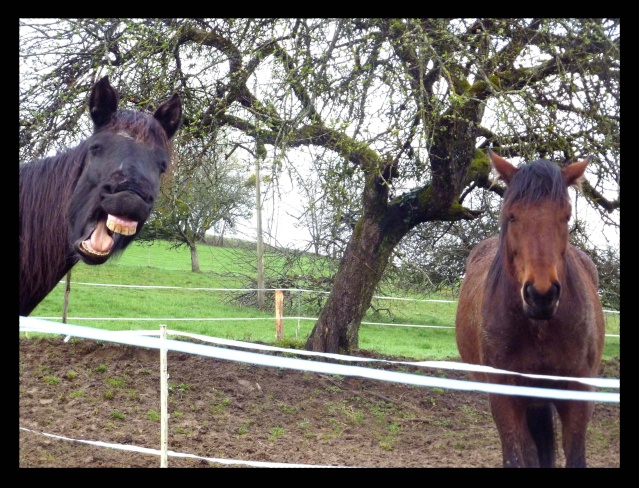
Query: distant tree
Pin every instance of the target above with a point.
(204, 190)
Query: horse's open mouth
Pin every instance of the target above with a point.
(100, 242)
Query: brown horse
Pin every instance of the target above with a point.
(529, 304)
(89, 202)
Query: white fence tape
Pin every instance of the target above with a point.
(38, 325)
(146, 450)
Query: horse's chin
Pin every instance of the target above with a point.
(540, 312)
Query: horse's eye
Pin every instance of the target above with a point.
(95, 149)
(511, 217)
(163, 165)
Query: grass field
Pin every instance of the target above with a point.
(153, 285)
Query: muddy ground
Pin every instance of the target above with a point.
(227, 410)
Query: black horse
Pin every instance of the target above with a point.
(89, 202)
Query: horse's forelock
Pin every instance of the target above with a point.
(142, 127)
(533, 182)
(536, 181)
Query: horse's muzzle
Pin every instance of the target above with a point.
(541, 306)
(127, 204)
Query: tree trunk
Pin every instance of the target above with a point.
(361, 268)
(195, 259)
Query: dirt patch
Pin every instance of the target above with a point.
(87, 390)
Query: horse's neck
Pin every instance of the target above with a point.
(44, 248)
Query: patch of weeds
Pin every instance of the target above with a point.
(439, 391)
(72, 375)
(115, 382)
(458, 446)
(381, 409)
(101, 368)
(76, 394)
(179, 389)
(354, 416)
(442, 423)
(110, 425)
(432, 401)
(333, 389)
(306, 377)
(331, 408)
(42, 368)
(145, 372)
(218, 407)
(178, 414)
(386, 443)
(274, 433)
(108, 395)
(394, 428)
(336, 428)
(51, 380)
(288, 408)
(132, 394)
(337, 377)
(472, 413)
(244, 428)
(291, 344)
(116, 414)
(182, 430)
(153, 415)
(257, 408)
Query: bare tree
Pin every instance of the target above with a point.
(204, 190)
(410, 104)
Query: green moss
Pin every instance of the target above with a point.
(479, 166)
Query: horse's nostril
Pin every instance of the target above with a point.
(118, 177)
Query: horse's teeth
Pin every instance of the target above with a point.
(126, 229)
(90, 250)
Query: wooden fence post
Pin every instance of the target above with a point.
(164, 403)
(279, 313)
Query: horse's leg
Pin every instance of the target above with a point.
(517, 447)
(574, 416)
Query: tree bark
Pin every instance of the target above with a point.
(195, 259)
(361, 267)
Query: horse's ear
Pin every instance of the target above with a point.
(103, 102)
(169, 114)
(505, 169)
(574, 173)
